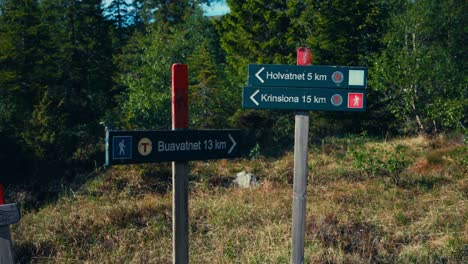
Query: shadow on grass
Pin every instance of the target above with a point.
(28, 252)
(426, 182)
(354, 238)
(49, 184)
(42, 190)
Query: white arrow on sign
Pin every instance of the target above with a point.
(258, 75)
(253, 95)
(234, 144)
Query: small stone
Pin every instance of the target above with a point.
(246, 180)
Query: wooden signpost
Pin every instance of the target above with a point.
(301, 143)
(302, 87)
(180, 170)
(178, 145)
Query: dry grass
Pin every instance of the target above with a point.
(124, 216)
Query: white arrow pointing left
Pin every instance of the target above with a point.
(258, 75)
(253, 95)
(234, 144)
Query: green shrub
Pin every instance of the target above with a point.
(459, 155)
(255, 152)
(379, 162)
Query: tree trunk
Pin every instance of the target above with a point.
(422, 130)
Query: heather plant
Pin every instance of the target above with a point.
(379, 162)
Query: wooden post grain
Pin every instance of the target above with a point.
(9, 214)
(6, 254)
(180, 170)
(301, 141)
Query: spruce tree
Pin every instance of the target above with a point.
(21, 80)
(78, 77)
(259, 31)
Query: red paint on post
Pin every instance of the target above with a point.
(179, 96)
(2, 194)
(304, 56)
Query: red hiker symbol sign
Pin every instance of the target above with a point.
(355, 100)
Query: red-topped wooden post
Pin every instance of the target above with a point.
(2, 194)
(301, 141)
(9, 214)
(180, 170)
(304, 56)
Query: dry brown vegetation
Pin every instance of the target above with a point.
(353, 215)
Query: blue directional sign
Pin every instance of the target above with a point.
(323, 99)
(121, 147)
(277, 75)
(132, 147)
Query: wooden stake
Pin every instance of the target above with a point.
(301, 141)
(180, 170)
(9, 214)
(6, 254)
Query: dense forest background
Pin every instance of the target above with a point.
(68, 68)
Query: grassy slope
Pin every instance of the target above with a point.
(354, 214)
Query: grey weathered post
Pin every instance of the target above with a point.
(301, 140)
(9, 214)
(6, 255)
(180, 170)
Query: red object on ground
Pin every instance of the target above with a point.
(2, 193)
(304, 56)
(179, 96)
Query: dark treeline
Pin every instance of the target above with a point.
(70, 67)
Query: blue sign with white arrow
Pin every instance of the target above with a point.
(321, 99)
(133, 147)
(314, 76)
